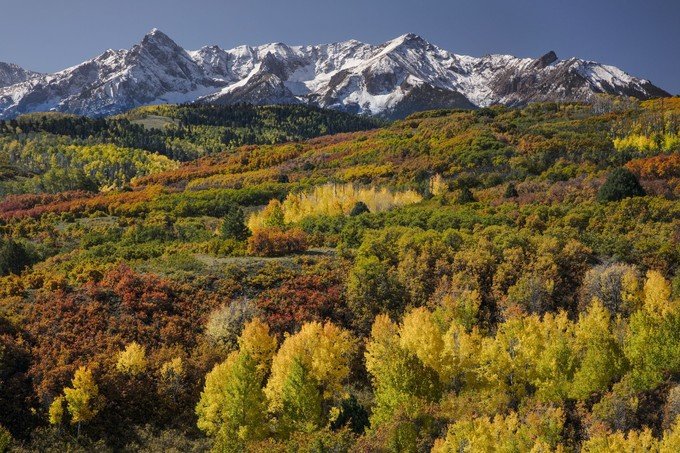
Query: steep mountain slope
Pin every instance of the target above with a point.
(393, 79)
(11, 74)
(154, 71)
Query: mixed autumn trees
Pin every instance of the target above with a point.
(515, 386)
(450, 281)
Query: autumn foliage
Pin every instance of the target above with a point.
(277, 242)
(447, 282)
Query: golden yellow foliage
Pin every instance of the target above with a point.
(420, 334)
(657, 293)
(83, 398)
(172, 369)
(332, 200)
(325, 350)
(537, 431)
(633, 442)
(56, 411)
(670, 443)
(365, 171)
(132, 360)
(507, 359)
(384, 337)
(256, 341)
(210, 407)
(462, 351)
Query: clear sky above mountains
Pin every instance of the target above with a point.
(641, 37)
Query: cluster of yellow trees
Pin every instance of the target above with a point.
(640, 142)
(82, 400)
(506, 388)
(539, 431)
(331, 200)
(55, 165)
(305, 375)
(654, 129)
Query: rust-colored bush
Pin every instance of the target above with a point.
(277, 242)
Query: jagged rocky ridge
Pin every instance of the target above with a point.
(11, 74)
(404, 75)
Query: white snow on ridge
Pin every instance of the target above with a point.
(350, 75)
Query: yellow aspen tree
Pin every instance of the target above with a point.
(82, 399)
(633, 441)
(508, 361)
(56, 411)
(132, 360)
(599, 356)
(302, 410)
(232, 406)
(324, 350)
(462, 350)
(256, 341)
(670, 443)
(556, 364)
(399, 378)
(657, 293)
(420, 335)
(536, 431)
(652, 345)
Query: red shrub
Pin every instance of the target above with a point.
(303, 299)
(277, 242)
(89, 325)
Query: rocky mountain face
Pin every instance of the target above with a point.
(11, 74)
(393, 79)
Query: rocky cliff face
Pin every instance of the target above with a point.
(11, 74)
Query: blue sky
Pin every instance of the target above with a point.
(641, 37)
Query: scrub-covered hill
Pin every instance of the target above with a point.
(500, 276)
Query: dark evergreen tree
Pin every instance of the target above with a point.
(620, 184)
(233, 224)
(511, 191)
(466, 196)
(353, 415)
(359, 208)
(13, 257)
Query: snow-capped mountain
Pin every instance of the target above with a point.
(393, 79)
(11, 74)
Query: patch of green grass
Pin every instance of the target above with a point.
(156, 122)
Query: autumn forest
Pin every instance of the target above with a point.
(189, 278)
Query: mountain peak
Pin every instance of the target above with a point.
(409, 38)
(155, 31)
(545, 60)
(11, 74)
(406, 41)
(158, 38)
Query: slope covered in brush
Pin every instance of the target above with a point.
(455, 278)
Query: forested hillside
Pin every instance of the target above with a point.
(183, 278)
(54, 152)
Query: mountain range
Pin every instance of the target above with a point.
(391, 80)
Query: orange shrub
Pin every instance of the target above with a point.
(662, 166)
(277, 242)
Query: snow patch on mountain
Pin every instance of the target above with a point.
(391, 79)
